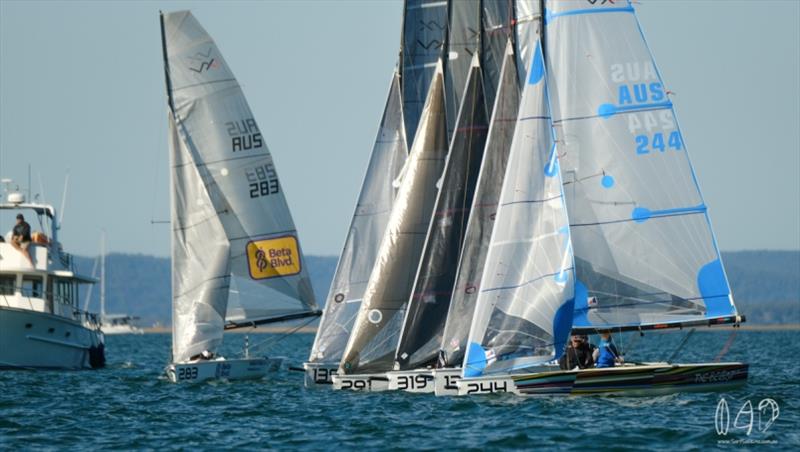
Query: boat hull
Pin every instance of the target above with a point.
(39, 340)
(363, 382)
(222, 369)
(446, 381)
(418, 381)
(629, 380)
(319, 374)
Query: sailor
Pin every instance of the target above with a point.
(21, 237)
(579, 353)
(205, 355)
(606, 354)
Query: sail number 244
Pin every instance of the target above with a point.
(262, 180)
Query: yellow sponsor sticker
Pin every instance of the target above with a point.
(269, 258)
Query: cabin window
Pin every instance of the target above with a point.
(65, 292)
(7, 284)
(32, 286)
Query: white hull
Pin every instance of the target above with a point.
(364, 382)
(38, 340)
(121, 329)
(417, 381)
(446, 381)
(222, 369)
(319, 374)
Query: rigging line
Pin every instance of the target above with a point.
(680, 346)
(727, 345)
(274, 340)
(653, 217)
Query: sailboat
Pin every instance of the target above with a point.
(643, 249)
(363, 240)
(236, 256)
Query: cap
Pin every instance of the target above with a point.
(20, 217)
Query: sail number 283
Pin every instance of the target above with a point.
(262, 180)
(660, 141)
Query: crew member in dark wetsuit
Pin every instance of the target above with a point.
(579, 353)
(21, 237)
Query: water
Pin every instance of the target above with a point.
(130, 405)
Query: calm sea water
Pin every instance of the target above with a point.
(130, 405)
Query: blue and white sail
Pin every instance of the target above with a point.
(528, 29)
(365, 234)
(645, 252)
(524, 309)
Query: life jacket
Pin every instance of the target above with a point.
(608, 352)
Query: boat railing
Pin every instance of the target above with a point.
(57, 307)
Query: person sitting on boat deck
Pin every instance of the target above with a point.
(205, 355)
(606, 354)
(21, 237)
(579, 353)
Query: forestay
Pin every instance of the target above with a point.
(482, 215)
(366, 231)
(230, 218)
(374, 337)
(524, 310)
(424, 36)
(421, 334)
(644, 249)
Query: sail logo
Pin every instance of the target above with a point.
(270, 258)
(203, 62)
(762, 417)
(244, 134)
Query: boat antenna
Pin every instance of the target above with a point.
(29, 181)
(63, 200)
(41, 187)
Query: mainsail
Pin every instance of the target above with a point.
(421, 334)
(482, 215)
(463, 41)
(374, 337)
(231, 223)
(366, 231)
(645, 253)
(528, 20)
(524, 309)
(423, 41)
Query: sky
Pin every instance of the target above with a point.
(82, 93)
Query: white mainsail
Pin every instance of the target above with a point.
(366, 232)
(374, 337)
(482, 215)
(231, 223)
(524, 309)
(528, 31)
(644, 250)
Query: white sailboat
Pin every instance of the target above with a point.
(111, 324)
(236, 256)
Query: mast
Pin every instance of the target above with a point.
(166, 63)
(103, 274)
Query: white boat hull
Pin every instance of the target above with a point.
(121, 329)
(417, 381)
(364, 382)
(222, 369)
(445, 381)
(39, 340)
(319, 374)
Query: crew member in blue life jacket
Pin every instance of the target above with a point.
(606, 354)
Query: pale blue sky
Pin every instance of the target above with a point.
(81, 87)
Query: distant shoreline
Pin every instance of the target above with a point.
(313, 329)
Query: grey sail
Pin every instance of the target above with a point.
(366, 231)
(496, 32)
(374, 337)
(235, 184)
(424, 36)
(645, 252)
(463, 42)
(528, 31)
(482, 215)
(421, 334)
